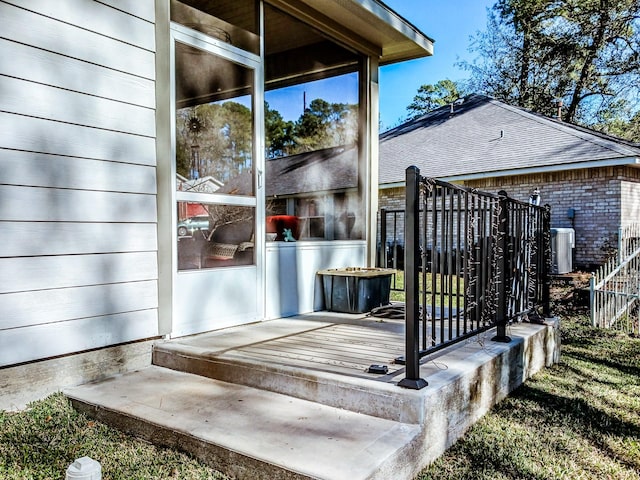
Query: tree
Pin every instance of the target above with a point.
(583, 53)
(324, 125)
(214, 139)
(430, 97)
(613, 123)
(278, 133)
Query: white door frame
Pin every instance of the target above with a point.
(226, 275)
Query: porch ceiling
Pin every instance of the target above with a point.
(368, 25)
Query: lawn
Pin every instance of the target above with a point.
(40, 443)
(577, 420)
(451, 283)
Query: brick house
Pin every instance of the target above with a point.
(590, 180)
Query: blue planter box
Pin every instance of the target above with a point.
(356, 290)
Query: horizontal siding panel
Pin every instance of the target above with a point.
(51, 103)
(96, 17)
(36, 135)
(40, 307)
(140, 8)
(50, 68)
(52, 238)
(72, 41)
(44, 170)
(51, 204)
(49, 340)
(40, 273)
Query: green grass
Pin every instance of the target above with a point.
(577, 420)
(397, 295)
(42, 441)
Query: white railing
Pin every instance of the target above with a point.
(628, 241)
(615, 286)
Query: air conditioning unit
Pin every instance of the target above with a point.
(563, 241)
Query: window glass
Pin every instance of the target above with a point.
(311, 129)
(214, 118)
(214, 160)
(214, 235)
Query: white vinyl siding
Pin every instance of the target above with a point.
(41, 273)
(57, 70)
(78, 206)
(42, 101)
(49, 33)
(74, 238)
(43, 170)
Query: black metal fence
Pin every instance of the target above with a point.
(472, 261)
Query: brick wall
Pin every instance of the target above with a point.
(630, 202)
(602, 199)
(595, 196)
(392, 199)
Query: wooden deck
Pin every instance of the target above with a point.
(341, 348)
(322, 341)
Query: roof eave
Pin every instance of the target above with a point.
(379, 31)
(416, 45)
(610, 162)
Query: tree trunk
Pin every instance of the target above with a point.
(588, 66)
(524, 71)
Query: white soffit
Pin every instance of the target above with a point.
(369, 25)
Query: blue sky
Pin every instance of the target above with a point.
(450, 23)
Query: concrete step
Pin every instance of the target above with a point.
(374, 395)
(248, 432)
(274, 411)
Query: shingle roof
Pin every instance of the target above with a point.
(481, 135)
(325, 170)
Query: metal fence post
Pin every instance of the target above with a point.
(411, 266)
(546, 274)
(503, 273)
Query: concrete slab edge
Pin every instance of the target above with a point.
(472, 394)
(233, 463)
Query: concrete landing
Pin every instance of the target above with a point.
(252, 433)
(291, 398)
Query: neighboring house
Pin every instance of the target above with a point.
(206, 184)
(590, 180)
(320, 188)
(91, 103)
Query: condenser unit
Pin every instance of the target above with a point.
(563, 241)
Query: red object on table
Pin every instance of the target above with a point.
(277, 223)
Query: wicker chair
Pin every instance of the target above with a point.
(230, 245)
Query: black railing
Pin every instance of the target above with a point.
(472, 261)
(391, 246)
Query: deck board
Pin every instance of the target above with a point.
(348, 348)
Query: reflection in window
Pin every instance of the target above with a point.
(214, 118)
(214, 147)
(319, 188)
(215, 235)
(312, 217)
(311, 127)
